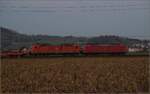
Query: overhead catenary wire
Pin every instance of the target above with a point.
(107, 5)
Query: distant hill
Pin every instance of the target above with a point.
(110, 39)
(11, 39)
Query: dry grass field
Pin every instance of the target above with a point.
(75, 75)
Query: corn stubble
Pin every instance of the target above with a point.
(75, 75)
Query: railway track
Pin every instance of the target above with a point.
(80, 56)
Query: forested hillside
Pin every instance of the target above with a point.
(11, 39)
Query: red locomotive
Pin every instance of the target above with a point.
(40, 49)
(53, 49)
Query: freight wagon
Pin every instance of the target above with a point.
(14, 53)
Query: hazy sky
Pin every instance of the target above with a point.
(77, 17)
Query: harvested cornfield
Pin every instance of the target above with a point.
(75, 75)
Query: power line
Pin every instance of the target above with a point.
(81, 7)
(73, 0)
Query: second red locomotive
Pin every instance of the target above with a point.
(105, 49)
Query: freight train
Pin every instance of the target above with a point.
(68, 49)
